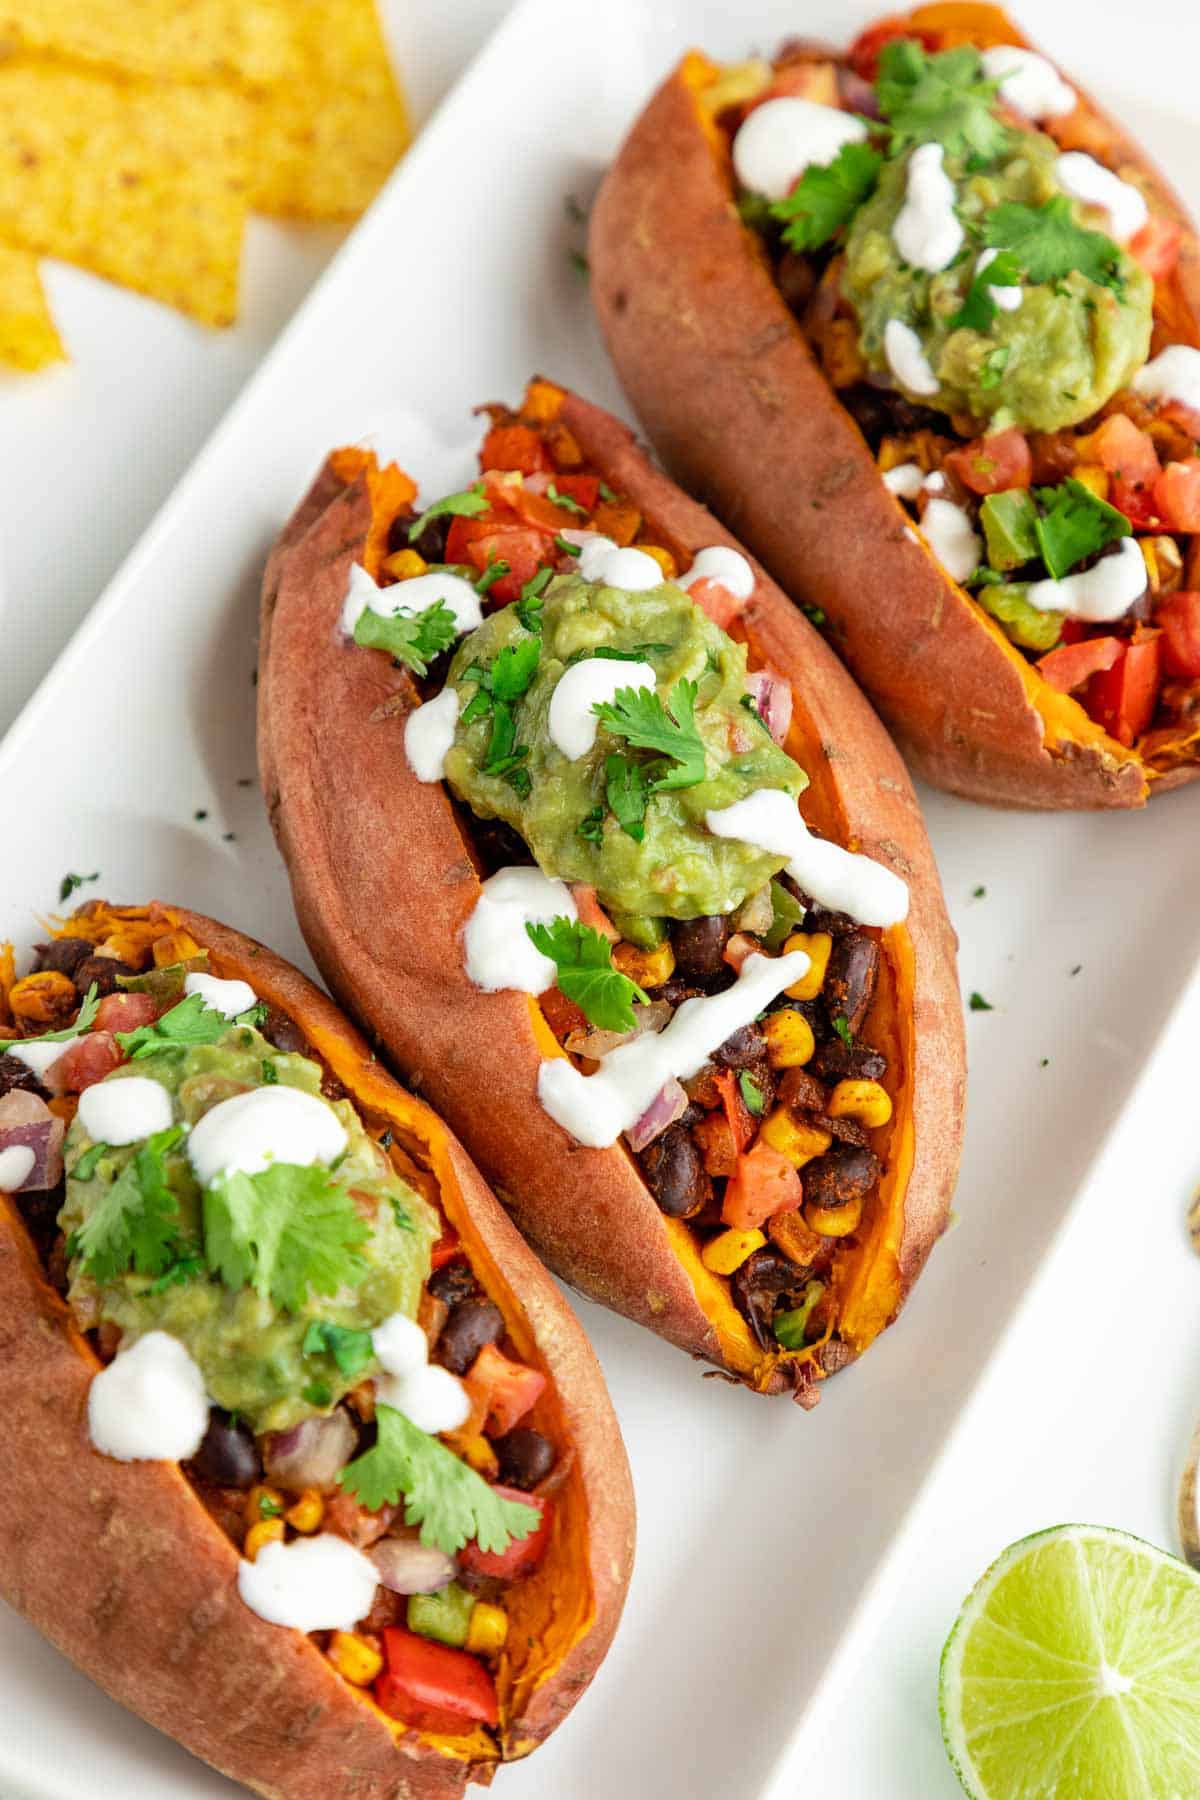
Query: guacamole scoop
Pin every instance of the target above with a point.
(561, 807)
(1052, 361)
(250, 1352)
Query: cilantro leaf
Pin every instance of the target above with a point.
(350, 1349)
(591, 826)
(135, 1224)
(445, 1497)
(825, 199)
(841, 1025)
(83, 1022)
(529, 606)
(1076, 523)
(752, 1094)
(189, 1023)
(69, 883)
(994, 365)
(639, 716)
(943, 99)
(977, 1003)
(582, 958)
(186, 1266)
(514, 669)
(85, 1168)
(627, 795)
(412, 638)
(466, 505)
(288, 1232)
(978, 310)
(1048, 242)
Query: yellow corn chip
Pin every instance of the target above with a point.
(327, 140)
(28, 338)
(174, 40)
(143, 182)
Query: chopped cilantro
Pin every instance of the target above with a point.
(270, 1074)
(317, 1393)
(413, 639)
(978, 893)
(69, 883)
(814, 614)
(826, 197)
(627, 795)
(514, 668)
(842, 1026)
(288, 1232)
(752, 1094)
(350, 1349)
(566, 501)
(606, 493)
(582, 958)
(186, 1267)
(189, 1023)
(977, 1003)
(519, 778)
(565, 545)
(1075, 523)
(135, 1223)
(591, 826)
(466, 505)
(495, 569)
(579, 263)
(1049, 243)
(529, 606)
(268, 1507)
(400, 1212)
(85, 1168)
(639, 716)
(994, 365)
(639, 653)
(83, 1022)
(943, 98)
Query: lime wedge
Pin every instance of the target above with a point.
(1073, 1673)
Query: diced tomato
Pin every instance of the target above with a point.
(544, 514)
(562, 1015)
(1177, 495)
(1125, 452)
(125, 1012)
(712, 598)
(523, 1554)
(764, 1183)
(1070, 666)
(86, 1060)
(737, 1113)
(515, 447)
(992, 465)
(1136, 501)
(739, 947)
(1156, 246)
(583, 489)
(1179, 617)
(863, 55)
(446, 1248)
(501, 1391)
(1123, 698)
(592, 913)
(433, 1686)
(481, 542)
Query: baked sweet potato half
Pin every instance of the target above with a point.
(920, 323)
(309, 1465)
(572, 943)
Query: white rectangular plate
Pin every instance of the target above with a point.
(760, 1527)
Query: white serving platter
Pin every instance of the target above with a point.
(762, 1530)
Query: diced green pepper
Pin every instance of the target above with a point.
(166, 983)
(1024, 624)
(444, 1616)
(788, 915)
(791, 1327)
(637, 928)
(1009, 523)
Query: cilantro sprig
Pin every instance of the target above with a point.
(414, 639)
(583, 963)
(499, 688)
(450, 1502)
(350, 1349)
(135, 1222)
(978, 310)
(188, 1024)
(639, 716)
(825, 199)
(1075, 523)
(84, 1019)
(627, 794)
(944, 98)
(1048, 242)
(466, 505)
(288, 1232)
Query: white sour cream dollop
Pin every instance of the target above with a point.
(1174, 374)
(602, 561)
(312, 1584)
(400, 1344)
(906, 359)
(431, 1397)
(905, 480)
(38, 1057)
(952, 538)
(721, 564)
(125, 1110)
(1081, 176)
(229, 998)
(1008, 298)
(783, 137)
(840, 880)
(1028, 82)
(498, 951)
(16, 1166)
(149, 1404)
(429, 733)
(268, 1125)
(926, 232)
(593, 682)
(1100, 594)
(409, 597)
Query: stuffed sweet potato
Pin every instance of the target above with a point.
(309, 1463)
(532, 757)
(921, 324)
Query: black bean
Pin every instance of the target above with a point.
(63, 955)
(849, 1131)
(14, 1074)
(496, 844)
(838, 1061)
(675, 1173)
(676, 991)
(228, 1455)
(431, 544)
(526, 1457)
(802, 1091)
(756, 1288)
(846, 1173)
(452, 1282)
(282, 1031)
(746, 1046)
(101, 972)
(835, 923)
(699, 945)
(472, 1323)
(851, 976)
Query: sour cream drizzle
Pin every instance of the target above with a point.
(312, 1584)
(593, 682)
(1008, 298)
(498, 951)
(125, 1110)
(906, 359)
(603, 561)
(1028, 82)
(952, 538)
(783, 137)
(429, 733)
(841, 880)
(926, 232)
(1081, 176)
(229, 998)
(267, 1125)
(38, 1057)
(1105, 591)
(149, 1404)
(597, 1108)
(1174, 374)
(721, 564)
(409, 597)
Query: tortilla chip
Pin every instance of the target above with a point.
(143, 182)
(327, 140)
(173, 40)
(28, 336)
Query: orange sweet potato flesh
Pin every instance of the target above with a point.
(122, 1568)
(735, 403)
(384, 882)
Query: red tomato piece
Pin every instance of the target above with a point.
(446, 1248)
(737, 1113)
(523, 1554)
(583, 489)
(1124, 451)
(433, 1686)
(764, 1183)
(992, 465)
(515, 447)
(863, 55)
(1177, 495)
(1070, 666)
(1136, 501)
(125, 1012)
(587, 905)
(1123, 698)
(86, 1060)
(1179, 617)
(712, 598)
(502, 1391)
(1156, 246)
(523, 550)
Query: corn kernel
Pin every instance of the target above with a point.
(649, 968)
(1164, 565)
(834, 1221)
(790, 1041)
(1093, 477)
(267, 1531)
(263, 1502)
(817, 944)
(796, 1140)
(404, 564)
(728, 1252)
(478, 1452)
(487, 1630)
(865, 1101)
(663, 558)
(354, 1658)
(307, 1513)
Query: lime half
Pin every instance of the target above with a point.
(1073, 1673)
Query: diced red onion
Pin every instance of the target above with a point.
(756, 914)
(857, 95)
(407, 1566)
(772, 696)
(27, 1123)
(667, 1106)
(312, 1454)
(598, 1043)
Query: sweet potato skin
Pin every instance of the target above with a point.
(383, 884)
(121, 1567)
(736, 404)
